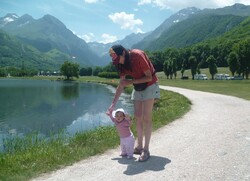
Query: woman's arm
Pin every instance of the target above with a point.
(129, 120)
(146, 78)
(123, 83)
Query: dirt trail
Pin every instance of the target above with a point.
(211, 142)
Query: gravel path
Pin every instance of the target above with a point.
(211, 142)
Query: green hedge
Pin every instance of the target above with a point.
(108, 75)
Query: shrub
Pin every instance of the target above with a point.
(108, 75)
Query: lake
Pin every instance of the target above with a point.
(48, 107)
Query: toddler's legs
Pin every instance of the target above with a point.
(123, 147)
(129, 143)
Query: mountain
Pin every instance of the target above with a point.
(7, 19)
(242, 31)
(165, 37)
(194, 30)
(132, 39)
(48, 34)
(175, 18)
(236, 9)
(103, 49)
(46, 42)
(14, 53)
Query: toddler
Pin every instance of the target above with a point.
(123, 122)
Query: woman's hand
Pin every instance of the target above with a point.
(123, 82)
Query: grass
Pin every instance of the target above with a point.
(42, 156)
(31, 156)
(237, 88)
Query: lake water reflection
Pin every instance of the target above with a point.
(51, 106)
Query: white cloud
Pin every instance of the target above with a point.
(141, 2)
(105, 38)
(91, 1)
(126, 21)
(223, 3)
(176, 5)
(87, 37)
(45, 8)
(138, 30)
(108, 38)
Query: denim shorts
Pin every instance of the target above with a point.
(151, 92)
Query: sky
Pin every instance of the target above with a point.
(106, 21)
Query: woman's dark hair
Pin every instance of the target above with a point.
(118, 49)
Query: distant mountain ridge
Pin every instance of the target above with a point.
(54, 43)
(103, 49)
(154, 41)
(173, 19)
(195, 30)
(47, 34)
(14, 53)
(8, 18)
(237, 9)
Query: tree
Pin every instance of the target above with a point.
(233, 62)
(244, 57)
(174, 55)
(182, 71)
(167, 68)
(212, 66)
(157, 60)
(109, 68)
(2, 72)
(206, 52)
(69, 69)
(97, 70)
(184, 54)
(193, 65)
(197, 53)
(86, 71)
(174, 67)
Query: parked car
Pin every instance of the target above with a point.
(222, 77)
(200, 77)
(237, 77)
(227, 77)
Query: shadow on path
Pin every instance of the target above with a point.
(155, 163)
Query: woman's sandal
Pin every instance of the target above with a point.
(138, 151)
(144, 156)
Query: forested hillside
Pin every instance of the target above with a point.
(230, 49)
(194, 30)
(14, 53)
(50, 36)
(174, 31)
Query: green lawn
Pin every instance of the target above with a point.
(237, 88)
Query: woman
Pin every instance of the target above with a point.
(135, 63)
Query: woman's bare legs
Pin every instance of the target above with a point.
(139, 126)
(143, 115)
